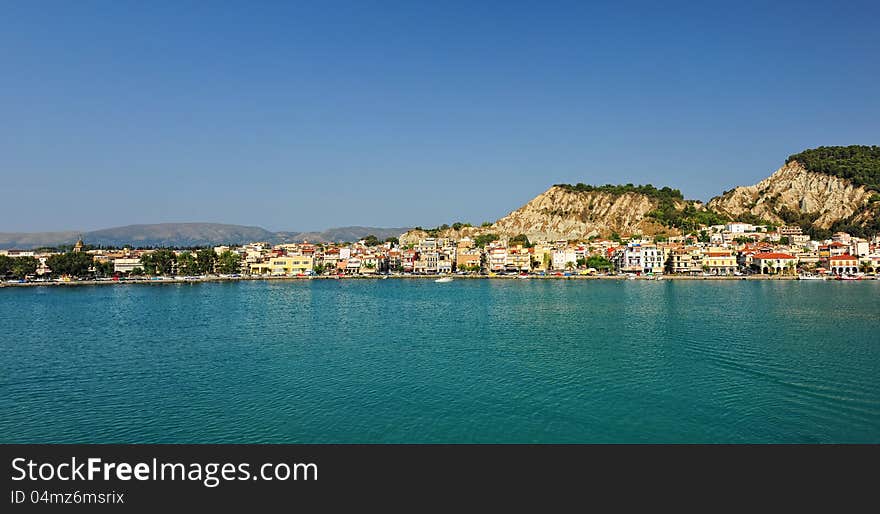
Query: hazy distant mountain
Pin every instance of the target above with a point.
(177, 234)
(26, 240)
(344, 234)
(186, 234)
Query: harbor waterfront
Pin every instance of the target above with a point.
(413, 361)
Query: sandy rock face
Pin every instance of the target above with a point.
(562, 214)
(797, 189)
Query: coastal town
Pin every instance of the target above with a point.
(722, 251)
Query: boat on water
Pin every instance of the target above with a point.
(807, 276)
(443, 280)
(848, 277)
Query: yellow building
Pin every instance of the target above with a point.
(290, 265)
(719, 261)
(543, 255)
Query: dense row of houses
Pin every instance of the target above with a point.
(723, 250)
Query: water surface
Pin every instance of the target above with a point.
(398, 361)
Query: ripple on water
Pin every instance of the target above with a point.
(473, 361)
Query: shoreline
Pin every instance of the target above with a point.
(398, 277)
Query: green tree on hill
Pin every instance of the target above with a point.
(482, 240)
(859, 164)
(520, 239)
(372, 240)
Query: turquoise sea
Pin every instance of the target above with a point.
(400, 361)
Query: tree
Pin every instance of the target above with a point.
(22, 267)
(393, 240)
(569, 265)
(520, 239)
(206, 259)
(74, 264)
(784, 240)
(581, 262)
(319, 268)
(482, 240)
(104, 269)
(229, 262)
(372, 240)
(703, 237)
(598, 262)
(159, 262)
(370, 265)
(486, 224)
(187, 264)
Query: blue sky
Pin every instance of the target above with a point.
(296, 116)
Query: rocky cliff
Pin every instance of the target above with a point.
(795, 194)
(822, 189)
(564, 213)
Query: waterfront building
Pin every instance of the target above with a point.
(719, 261)
(496, 257)
(843, 264)
(686, 260)
(126, 265)
(562, 257)
(465, 259)
(774, 263)
(518, 259)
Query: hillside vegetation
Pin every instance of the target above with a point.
(664, 193)
(859, 164)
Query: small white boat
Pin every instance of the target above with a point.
(807, 276)
(443, 280)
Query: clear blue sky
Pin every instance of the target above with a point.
(298, 117)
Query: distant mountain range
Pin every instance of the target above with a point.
(187, 234)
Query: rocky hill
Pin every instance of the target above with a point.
(569, 212)
(824, 189)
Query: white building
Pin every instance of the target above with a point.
(124, 265)
(561, 258)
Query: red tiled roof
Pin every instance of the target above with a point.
(772, 255)
(844, 258)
